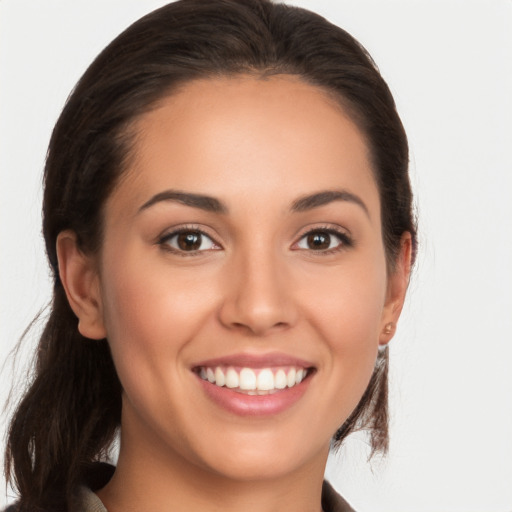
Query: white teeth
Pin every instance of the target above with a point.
(290, 378)
(232, 380)
(253, 381)
(265, 380)
(220, 379)
(247, 379)
(280, 380)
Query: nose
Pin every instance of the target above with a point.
(258, 295)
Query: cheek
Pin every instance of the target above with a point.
(346, 304)
(345, 308)
(151, 312)
(151, 316)
(145, 296)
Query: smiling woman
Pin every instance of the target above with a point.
(227, 213)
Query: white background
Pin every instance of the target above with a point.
(448, 64)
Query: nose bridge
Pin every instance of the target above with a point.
(257, 298)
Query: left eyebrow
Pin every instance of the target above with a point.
(325, 197)
(207, 203)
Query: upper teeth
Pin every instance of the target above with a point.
(261, 380)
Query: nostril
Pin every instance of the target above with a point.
(259, 327)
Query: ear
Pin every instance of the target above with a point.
(80, 279)
(398, 281)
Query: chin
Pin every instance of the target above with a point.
(262, 457)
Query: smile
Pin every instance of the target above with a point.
(260, 381)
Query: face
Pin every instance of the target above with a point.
(242, 280)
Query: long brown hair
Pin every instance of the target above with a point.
(70, 414)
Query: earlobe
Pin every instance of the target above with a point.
(79, 277)
(398, 282)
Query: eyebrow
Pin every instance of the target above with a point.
(207, 203)
(211, 204)
(325, 197)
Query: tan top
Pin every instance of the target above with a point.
(88, 501)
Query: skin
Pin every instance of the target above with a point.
(257, 146)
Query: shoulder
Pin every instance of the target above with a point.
(332, 501)
(85, 500)
(96, 477)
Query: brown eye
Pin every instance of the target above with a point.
(323, 240)
(189, 241)
(318, 241)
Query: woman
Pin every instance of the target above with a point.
(227, 214)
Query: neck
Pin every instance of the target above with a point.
(159, 480)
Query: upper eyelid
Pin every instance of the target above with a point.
(176, 230)
(330, 228)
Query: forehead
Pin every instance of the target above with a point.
(249, 136)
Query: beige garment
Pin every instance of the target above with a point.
(88, 501)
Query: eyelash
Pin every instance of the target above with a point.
(164, 241)
(345, 241)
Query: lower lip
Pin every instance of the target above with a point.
(255, 405)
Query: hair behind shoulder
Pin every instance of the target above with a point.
(69, 417)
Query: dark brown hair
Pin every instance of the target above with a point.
(71, 412)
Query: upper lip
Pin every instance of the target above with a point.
(255, 361)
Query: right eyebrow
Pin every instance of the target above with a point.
(325, 197)
(207, 203)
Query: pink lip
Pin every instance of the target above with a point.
(254, 405)
(255, 361)
(243, 404)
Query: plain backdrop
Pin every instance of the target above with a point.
(448, 64)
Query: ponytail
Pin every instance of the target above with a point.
(67, 419)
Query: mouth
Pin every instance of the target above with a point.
(254, 381)
(255, 385)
